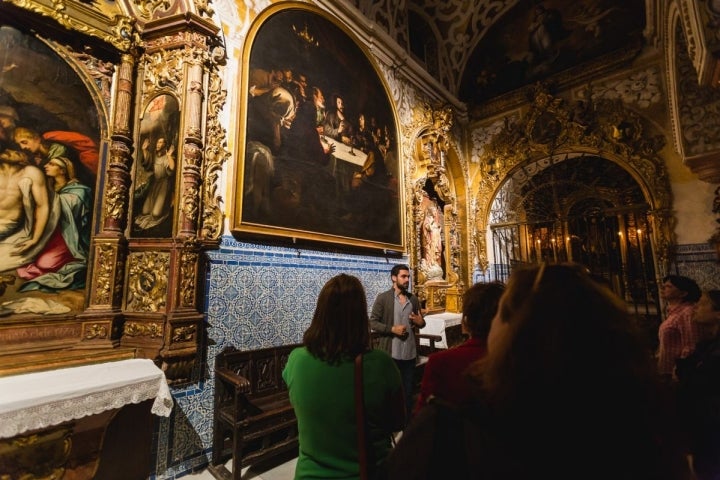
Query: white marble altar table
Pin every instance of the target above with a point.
(437, 323)
(38, 400)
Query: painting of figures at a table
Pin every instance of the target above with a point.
(48, 167)
(320, 158)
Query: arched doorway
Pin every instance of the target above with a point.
(581, 208)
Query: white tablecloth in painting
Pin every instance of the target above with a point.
(436, 324)
(345, 152)
(42, 399)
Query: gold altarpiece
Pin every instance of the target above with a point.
(436, 226)
(552, 127)
(144, 292)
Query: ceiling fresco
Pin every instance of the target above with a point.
(538, 39)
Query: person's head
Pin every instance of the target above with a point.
(27, 139)
(8, 121)
(160, 145)
(564, 355)
(318, 97)
(339, 327)
(707, 313)
(13, 157)
(276, 75)
(480, 303)
(338, 102)
(400, 276)
(679, 289)
(558, 332)
(60, 167)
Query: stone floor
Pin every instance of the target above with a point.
(269, 471)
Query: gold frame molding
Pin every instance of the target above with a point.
(241, 226)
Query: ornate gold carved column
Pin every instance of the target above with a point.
(104, 319)
(164, 318)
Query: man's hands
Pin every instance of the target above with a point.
(399, 330)
(416, 318)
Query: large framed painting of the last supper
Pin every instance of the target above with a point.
(319, 155)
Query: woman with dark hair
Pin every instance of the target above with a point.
(320, 379)
(567, 390)
(699, 389)
(444, 375)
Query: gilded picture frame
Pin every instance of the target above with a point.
(318, 157)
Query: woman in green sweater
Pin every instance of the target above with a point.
(320, 379)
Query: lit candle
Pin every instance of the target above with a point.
(623, 252)
(552, 241)
(539, 253)
(640, 246)
(568, 250)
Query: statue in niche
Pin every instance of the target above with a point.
(431, 228)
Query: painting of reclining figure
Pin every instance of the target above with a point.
(48, 167)
(320, 159)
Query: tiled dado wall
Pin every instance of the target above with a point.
(258, 296)
(699, 262)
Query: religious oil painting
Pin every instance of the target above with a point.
(49, 134)
(155, 164)
(559, 35)
(320, 156)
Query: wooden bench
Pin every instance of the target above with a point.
(253, 418)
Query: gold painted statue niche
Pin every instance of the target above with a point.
(432, 248)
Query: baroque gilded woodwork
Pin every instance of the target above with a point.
(147, 281)
(102, 20)
(36, 455)
(551, 128)
(432, 148)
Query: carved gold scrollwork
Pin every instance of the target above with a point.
(115, 199)
(74, 15)
(37, 456)
(601, 127)
(147, 281)
(96, 330)
(148, 8)
(104, 262)
(184, 334)
(143, 329)
(188, 269)
(216, 154)
(163, 71)
(434, 142)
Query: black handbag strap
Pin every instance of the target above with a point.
(360, 417)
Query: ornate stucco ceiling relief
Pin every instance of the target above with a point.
(461, 25)
(700, 20)
(698, 106)
(390, 15)
(641, 89)
(551, 130)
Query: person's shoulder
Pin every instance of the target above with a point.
(299, 352)
(384, 295)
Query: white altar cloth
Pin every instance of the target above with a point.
(436, 324)
(38, 400)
